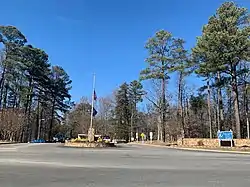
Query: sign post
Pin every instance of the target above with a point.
(142, 137)
(151, 136)
(225, 136)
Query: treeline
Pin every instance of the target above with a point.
(33, 94)
(220, 58)
(117, 114)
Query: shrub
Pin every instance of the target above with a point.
(200, 143)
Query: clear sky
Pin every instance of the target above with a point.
(105, 36)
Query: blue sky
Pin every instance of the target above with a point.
(105, 36)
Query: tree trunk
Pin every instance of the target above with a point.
(133, 110)
(2, 85)
(203, 135)
(220, 116)
(26, 135)
(180, 105)
(15, 101)
(131, 124)
(229, 106)
(209, 109)
(19, 93)
(163, 109)
(5, 95)
(1, 93)
(29, 117)
(40, 127)
(248, 130)
(36, 133)
(159, 128)
(187, 107)
(246, 108)
(28, 96)
(105, 123)
(236, 104)
(20, 136)
(52, 120)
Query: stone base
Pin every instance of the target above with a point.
(88, 144)
(91, 135)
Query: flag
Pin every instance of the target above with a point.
(94, 112)
(95, 96)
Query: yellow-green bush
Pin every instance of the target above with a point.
(107, 141)
(99, 139)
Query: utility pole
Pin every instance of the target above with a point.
(248, 130)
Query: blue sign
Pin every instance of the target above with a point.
(225, 135)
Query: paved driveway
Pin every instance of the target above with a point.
(51, 165)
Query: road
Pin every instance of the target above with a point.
(51, 165)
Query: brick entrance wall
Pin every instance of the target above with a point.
(210, 142)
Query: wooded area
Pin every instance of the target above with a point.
(35, 95)
(220, 58)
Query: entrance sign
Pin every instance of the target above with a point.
(225, 136)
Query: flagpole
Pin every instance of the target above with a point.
(92, 104)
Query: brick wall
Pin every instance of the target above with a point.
(83, 144)
(210, 142)
(242, 142)
(198, 142)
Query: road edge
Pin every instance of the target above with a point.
(193, 149)
(8, 143)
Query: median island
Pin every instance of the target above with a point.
(90, 140)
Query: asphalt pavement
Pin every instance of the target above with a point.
(52, 165)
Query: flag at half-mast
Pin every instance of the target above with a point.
(95, 96)
(94, 112)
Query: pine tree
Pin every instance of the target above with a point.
(12, 39)
(135, 93)
(123, 112)
(223, 45)
(160, 62)
(59, 92)
(182, 67)
(31, 91)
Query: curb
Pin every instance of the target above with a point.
(153, 145)
(210, 150)
(194, 149)
(7, 143)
